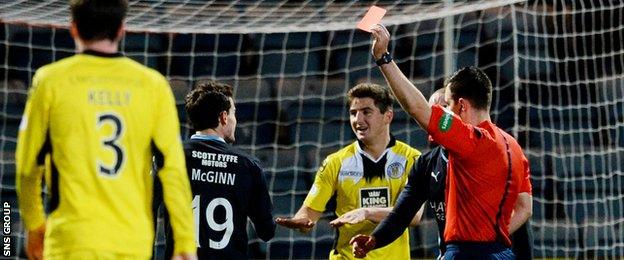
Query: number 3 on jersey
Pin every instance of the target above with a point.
(110, 142)
(228, 225)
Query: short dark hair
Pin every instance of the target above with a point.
(381, 95)
(205, 103)
(472, 84)
(98, 19)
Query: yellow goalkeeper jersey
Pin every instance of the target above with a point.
(342, 174)
(99, 117)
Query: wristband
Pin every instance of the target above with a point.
(385, 59)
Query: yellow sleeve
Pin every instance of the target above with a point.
(324, 185)
(411, 160)
(175, 183)
(32, 135)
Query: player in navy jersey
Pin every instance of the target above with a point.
(227, 185)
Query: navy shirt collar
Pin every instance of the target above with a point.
(198, 136)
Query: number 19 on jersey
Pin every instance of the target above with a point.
(227, 225)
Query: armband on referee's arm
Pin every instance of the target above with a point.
(448, 130)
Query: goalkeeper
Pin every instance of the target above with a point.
(98, 115)
(486, 166)
(427, 183)
(369, 174)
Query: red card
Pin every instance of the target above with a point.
(371, 18)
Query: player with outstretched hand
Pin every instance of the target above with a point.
(486, 168)
(98, 116)
(368, 174)
(228, 186)
(427, 183)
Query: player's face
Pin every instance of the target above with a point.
(367, 121)
(231, 123)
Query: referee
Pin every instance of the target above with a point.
(487, 169)
(427, 183)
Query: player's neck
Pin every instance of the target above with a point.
(103, 46)
(376, 147)
(477, 117)
(210, 131)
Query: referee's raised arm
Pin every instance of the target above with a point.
(410, 98)
(485, 166)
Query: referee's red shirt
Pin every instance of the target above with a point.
(477, 177)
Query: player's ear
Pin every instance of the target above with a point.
(73, 30)
(223, 117)
(389, 114)
(121, 31)
(463, 104)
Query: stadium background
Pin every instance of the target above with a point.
(556, 67)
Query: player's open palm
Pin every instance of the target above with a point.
(302, 224)
(362, 244)
(352, 217)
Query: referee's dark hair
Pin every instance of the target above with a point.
(206, 102)
(472, 84)
(382, 96)
(98, 19)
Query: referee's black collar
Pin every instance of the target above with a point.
(102, 54)
(390, 144)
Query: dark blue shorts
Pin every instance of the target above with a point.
(477, 251)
